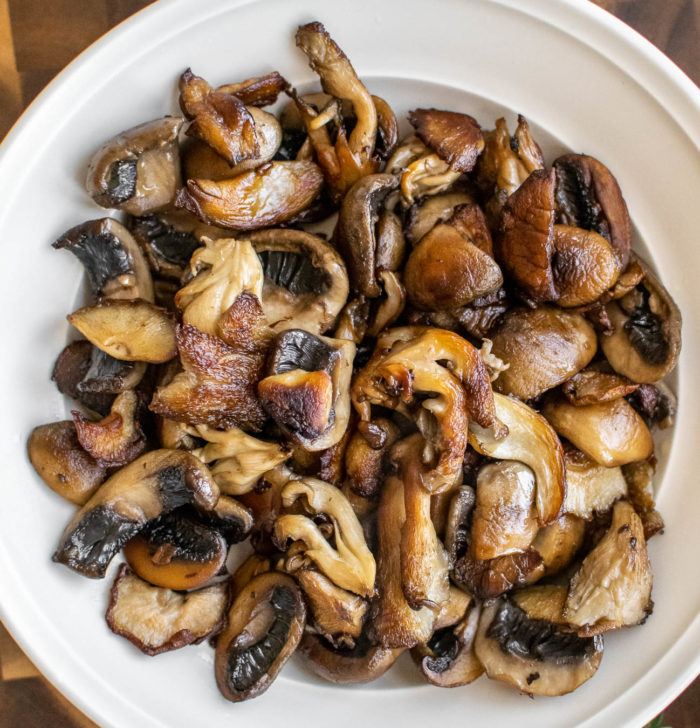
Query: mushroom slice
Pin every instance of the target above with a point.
(307, 391)
(305, 281)
(559, 542)
(589, 387)
(257, 91)
(113, 262)
(391, 305)
(457, 530)
(155, 483)
(590, 488)
(646, 339)
(455, 138)
(638, 477)
(588, 196)
(337, 614)
(448, 659)
(611, 433)
(493, 577)
(158, 620)
(425, 214)
(454, 609)
(350, 565)
(532, 441)
(107, 375)
(176, 552)
(62, 463)
(268, 195)
(239, 460)
(612, 588)
(543, 348)
(117, 439)
(367, 456)
(536, 654)
(445, 271)
(139, 170)
(253, 566)
(133, 330)
(426, 174)
(505, 519)
(394, 624)
(404, 364)
(362, 663)
(265, 624)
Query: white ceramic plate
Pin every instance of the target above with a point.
(585, 82)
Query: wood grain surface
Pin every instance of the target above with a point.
(38, 38)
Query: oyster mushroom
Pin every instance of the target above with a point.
(646, 339)
(139, 170)
(155, 483)
(350, 565)
(367, 456)
(61, 462)
(263, 197)
(505, 518)
(611, 433)
(305, 282)
(613, 586)
(113, 262)
(176, 552)
(133, 330)
(523, 641)
(307, 390)
(542, 347)
(158, 620)
(265, 624)
(257, 91)
(532, 441)
(590, 488)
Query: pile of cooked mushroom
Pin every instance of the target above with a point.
(432, 422)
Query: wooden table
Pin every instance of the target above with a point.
(37, 39)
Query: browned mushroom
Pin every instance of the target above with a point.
(590, 488)
(591, 386)
(426, 213)
(367, 456)
(559, 542)
(640, 491)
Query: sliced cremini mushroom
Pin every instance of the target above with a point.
(133, 330)
(590, 488)
(611, 433)
(530, 440)
(535, 652)
(113, 262)
(559, 542)
(139, 170)
(613, 586)
(239, 460)
(305, 281)
(62, 463)
(158, 620)
(265, 624)
(362, 663)
(505, 518)
(350, 564)
(230, 517)
(269, 195)
(367, 460)
(543, 348)
(116, 439)
(176, 552)
(152, 485)
(253, 566)
(640, 491)
(591, 386)
(307, 388)
(426, 213)
(646, 339)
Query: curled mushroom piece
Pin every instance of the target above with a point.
(152, 485)
(367, 456)
(113, 262)
(426, 213)
(139, 170)
(640, 492)
(613, 586)
(265, 624)
(307, 390)
(530, 440)
(350, 565)
(305, 282)
(62, 463)
(158, 620)
(523, 641)
(646, 339)
(611, 433)
(455, 138)
(269, 195)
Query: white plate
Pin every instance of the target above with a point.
(593, 84)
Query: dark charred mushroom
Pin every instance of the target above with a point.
(158, 620)
(114, 263)
(154, 484)
(139, 170)
(62, 463)
(176, 552)
(265, 624)
(305, 283)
